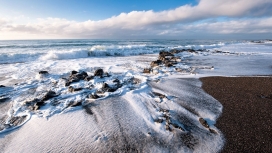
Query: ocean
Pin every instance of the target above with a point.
(104, 95)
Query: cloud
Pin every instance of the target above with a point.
(243, 16)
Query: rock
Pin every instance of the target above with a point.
(15, 121)
(159, 95)
(67, 83)
(4, 99)
(204, 122)
(94, 96)
(155, 63)
(107, 88)
(168, 64)
(76, 103)
(116, 81)
(213, 131)
(165, 53)
(88, 78)
(176, 59)
(136, 81)
(106, 74)
(84, 73)
(158, 120)
(146, 70)
(72, 89)
(2, 86)
(175, 51)
(118, 84)
(73, 72)
(99, 72)
(43, 72)
(48, 95)
(191, 50)
(162, 57)
(167, 127)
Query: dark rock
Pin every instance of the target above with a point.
(4, 99)
(158, 120)
(168, 64)
(167, 127)
(136, 81)
(72, 89)
(43, 72)
(15, 121)
(107, 88)
(73, 72)
(191, 50)
(175, 51)
(94, 96)
(67, 83)
(213, 131)
(116, 81)
(159, 95)
(2, 86)
(146, 70)
(204, 122)
(106, 74)
(177, 126)
(48, 95)
(76, 103)
(165, 53)
(162, 58)
(155, 63)
(84, 73)
(175, 59)
(118, 84)
(99, 72)
(88, 78)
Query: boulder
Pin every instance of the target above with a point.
(94, 96)
(73, 72)
(168, 64)
(88, 78)
(155, 63)
(204, 122)
(158, 120)
(72, 89)
(107, 88)
(48, 95)
(99, 72)
(165, 53)
(43, 72)
(146, 70)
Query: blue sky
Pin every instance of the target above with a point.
(86, 9)
(141, 19)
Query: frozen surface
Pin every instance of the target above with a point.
(155, 112)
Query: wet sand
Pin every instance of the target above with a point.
(246, 120)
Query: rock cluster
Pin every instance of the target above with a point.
(166, 58)
(169, 123)
(36, 103)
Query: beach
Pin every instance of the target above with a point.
(134, 96)
(246, 116)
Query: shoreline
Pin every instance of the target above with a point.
(246, 117)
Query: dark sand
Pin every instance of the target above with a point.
(246, 121)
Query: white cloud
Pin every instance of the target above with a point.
(169, 22)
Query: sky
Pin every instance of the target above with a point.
(135, 19)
